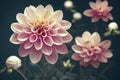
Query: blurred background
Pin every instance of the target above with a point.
(9, 9)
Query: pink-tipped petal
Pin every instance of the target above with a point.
(62, 32)
(35, 56)
(52, 59)
(23, 52)
(77, 49)
(104, 18)
(105, 44)
(13, 39)
(57, 40)
(89, 12)
(109, 8)
(22, 37)
(17, 27)
(47, 50)
(61, 49)
(28, 44)
(95, 18)
(67, 38)
(110, 16)
(107, 54)
(48, 41)
(53, 32)
(65, 24)
(38, 44)
(33, 38)
(76, 56)
(102, 59)
(27, 30)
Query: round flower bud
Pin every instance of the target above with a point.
(113, 26)
(13, 62)
(68, 4)
(77, 16)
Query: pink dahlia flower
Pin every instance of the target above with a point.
(89, 49)
(100, 10)
(41, 31)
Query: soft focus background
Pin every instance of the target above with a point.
(9, 9)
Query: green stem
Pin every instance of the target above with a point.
(18, 71)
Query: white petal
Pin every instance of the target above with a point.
(79, 41)
(40, 10)
(96, 38)
(86, 35)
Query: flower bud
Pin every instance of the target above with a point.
(113, 26)
(13, 62)
(77, 16)
(68, 4)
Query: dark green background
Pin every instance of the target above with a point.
(9, 9)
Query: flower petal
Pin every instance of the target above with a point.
(52, 59)
(95, 64)
(76, 56)
(52, 32)
(27, 30)
(110, 16)
(102, 59)
(33, 38)
(47, 50)
(89, 12)
(21, 18)
(95, 18)
(35, 56)
(22, 37)
(23, 52)
(109, 8)
(96, 38)
(48, 40)
(38, 44)
(77, 49)
(104, 4)
(40, 10)
(28, 44)
(65, 24)
(62, 32)
(105, 44)
(68, 38)
(104, 18)
(107, 54)
(13, 39)
(16, 27)
(57, 40)
(86, 35)
(92, 5)
(61, 49)
(79, 41)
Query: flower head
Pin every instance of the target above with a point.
(113, 26)
(89, 49)
(100, 10)
(13, 62)
(41, 31)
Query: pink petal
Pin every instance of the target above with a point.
(95, 18)
(62, 32)
(102, 59)
(76, 56)
(16, 27)
(107, 54)
(109, 8)
(21, 18)
(87, 59)
(52, 59)
(55, 26)
(77, 49)
(35, 56)
(65, 24)
(22, 37)
(57, 40)
(105, 44)
(38, 44)
(68, 38)
(47, 50)
(13, 39)
(92, 5)
(95, 64)
(104, 18)
(28, 44)
(110, 16)
(89, 12)
(33, 38)
(52, 32)
(62, 49)
(27, 30)
(48, 41)
(23, 52)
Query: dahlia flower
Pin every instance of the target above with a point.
(100, 10)
(41, 31)
(89, 49)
